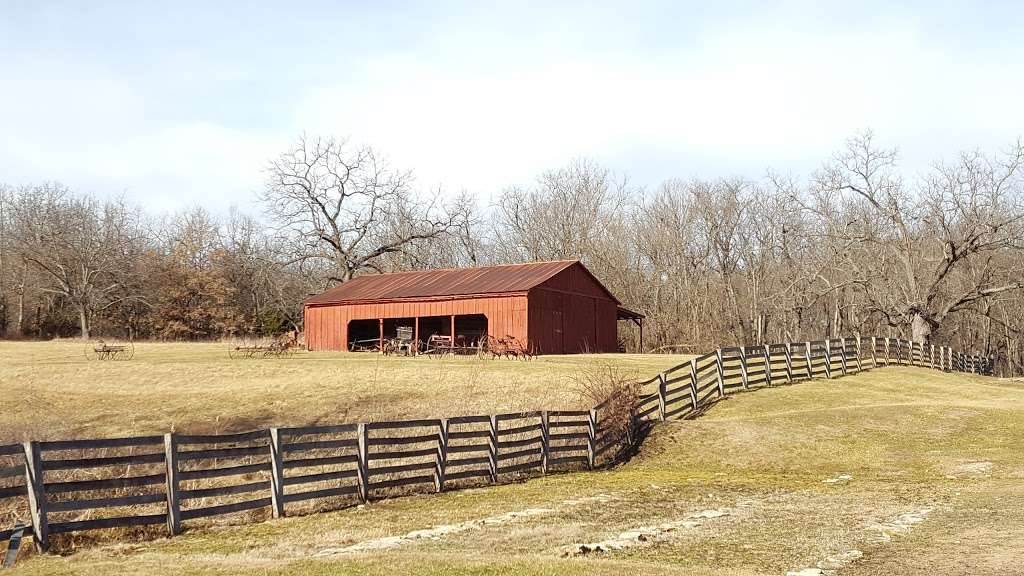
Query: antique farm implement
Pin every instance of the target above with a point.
(282, 347)
(509, 347)
(103, 351)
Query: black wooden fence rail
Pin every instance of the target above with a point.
(79, 485)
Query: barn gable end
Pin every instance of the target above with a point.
(572, 312)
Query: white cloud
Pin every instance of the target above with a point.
(484, 104)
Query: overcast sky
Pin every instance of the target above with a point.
(181, 103)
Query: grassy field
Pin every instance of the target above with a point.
(895, 471)
(53, 390)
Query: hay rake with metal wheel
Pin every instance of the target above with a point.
(100, 350)
(284, 347)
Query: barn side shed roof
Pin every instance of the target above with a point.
(501, 279)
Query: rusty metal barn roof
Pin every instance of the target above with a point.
(449, 282)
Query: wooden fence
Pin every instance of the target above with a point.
(175, 479)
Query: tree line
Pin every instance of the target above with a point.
(857, 246)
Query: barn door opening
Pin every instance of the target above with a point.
(470, 329)
(363, 335)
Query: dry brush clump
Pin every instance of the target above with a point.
(616, 391)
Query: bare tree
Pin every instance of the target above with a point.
(921, 252)
(82, 246)
(340, 204)
(563, 215)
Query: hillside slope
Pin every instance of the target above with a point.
(893, 471)
(64, 392)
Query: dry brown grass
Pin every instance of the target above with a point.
(53, 390)
(899, 433)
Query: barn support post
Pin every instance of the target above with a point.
(37, 496)
(380, 339)
(453, 330)
(641, 325)
(416, 336)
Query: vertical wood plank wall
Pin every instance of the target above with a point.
(569, 313)
(327, 325)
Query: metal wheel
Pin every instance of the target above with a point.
(123, 351)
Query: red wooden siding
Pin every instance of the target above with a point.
(572, 313)
(327, 325)
(566, 311)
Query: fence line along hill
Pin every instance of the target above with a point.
(71, 486)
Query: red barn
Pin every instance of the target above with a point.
(558, 307)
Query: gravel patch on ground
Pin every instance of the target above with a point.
(437, 532)
(644, 535)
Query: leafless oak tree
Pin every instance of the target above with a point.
(82, 246)
(343, 205)
(923, 250)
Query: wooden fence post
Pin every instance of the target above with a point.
(828, 358)
(363, 466)
(807, 355)
(693, 384)
(662, 385)
(842, 355)
(173, 499)
(789, 362)
(276, 474)
(743, 367)
(721, 373)
(768, 364)
(860, 366)
(492, 454)
(591, 437)
(442, 455)
(874, 348)
(545, 442)
(887, 350)
(37, 496)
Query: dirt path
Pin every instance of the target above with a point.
(437, 532)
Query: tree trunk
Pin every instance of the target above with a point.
(19, 326)
(83, 321)
(921, 329)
